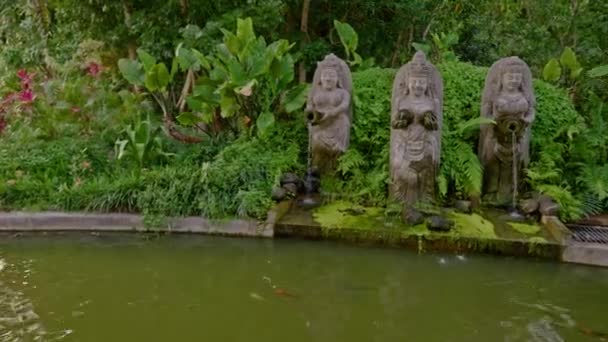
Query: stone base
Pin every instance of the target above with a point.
(94, 222)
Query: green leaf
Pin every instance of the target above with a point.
(244, 30)
(599, 71)
(265, 121)
(228, 105)
(231, 42)
(206, 93)
(157, 78)
(237, 72)
(575, 73)
(194, 104)
(348, 37)
(132, 71)
(295, 98)
(284, 71)
(187, 59)
(188, 118)
(552, 71)
(146, 59)
(202, 60)
(120, 148)
(568, 59)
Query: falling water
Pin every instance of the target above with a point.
(308, 201)
(515, 169)
(309, 161)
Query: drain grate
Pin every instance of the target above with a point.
(589, 234)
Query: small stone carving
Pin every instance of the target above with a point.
(329, 109)
(508, 99)
(416, 121)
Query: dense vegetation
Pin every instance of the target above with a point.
(178, 108)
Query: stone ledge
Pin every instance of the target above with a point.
(116, 222)
(422, 243)
(586, 253)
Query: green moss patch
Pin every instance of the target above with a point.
(343, 214)
(525, 228)
(472, 225)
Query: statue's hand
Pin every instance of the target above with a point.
(406, 116)
(399, 124)
(430, 121)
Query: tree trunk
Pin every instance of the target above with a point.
(183, 5)
(304, 30)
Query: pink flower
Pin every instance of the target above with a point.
(94, 69)
(22, 74)
(27, 96)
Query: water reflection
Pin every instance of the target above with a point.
(18, 319)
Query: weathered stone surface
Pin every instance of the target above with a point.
(463, 206)
(278, 194)
(504, 147)
(529, 206)
(412, 216)
(291, 188)
(416, 122)
(438, 223)
(290, 178)
(547, 206)
(329, 109)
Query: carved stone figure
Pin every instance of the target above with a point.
(329, 109)
(416, 121)
(508, 99)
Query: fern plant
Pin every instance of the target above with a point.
(461, 170)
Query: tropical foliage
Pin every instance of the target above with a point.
(97, 98)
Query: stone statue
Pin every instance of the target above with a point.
(416, 121)
(329, 109)
(508, 99)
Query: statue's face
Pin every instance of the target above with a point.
(417, 85)
(511, 81)
(329, 79)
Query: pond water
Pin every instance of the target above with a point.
(191, 288)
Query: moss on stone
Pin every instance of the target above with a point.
(471, 225)
(525, 228)
(341, 214)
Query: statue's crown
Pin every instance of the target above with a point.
(514, 64)
(330, 61)
(419, 65)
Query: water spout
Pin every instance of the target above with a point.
(309, 200)
(514, 214)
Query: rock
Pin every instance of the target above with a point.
(463, 206)
(278, 194)
(291, 188)
(438, 223)
(547, 206)
(529, 206)
(290, 178)
(475, 202)
(412, 216)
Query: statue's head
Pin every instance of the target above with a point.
(513, 74)
(329, 79)
(418, 76)
(509, 74)
(329, 70)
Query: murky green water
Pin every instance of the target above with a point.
(189, 288)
